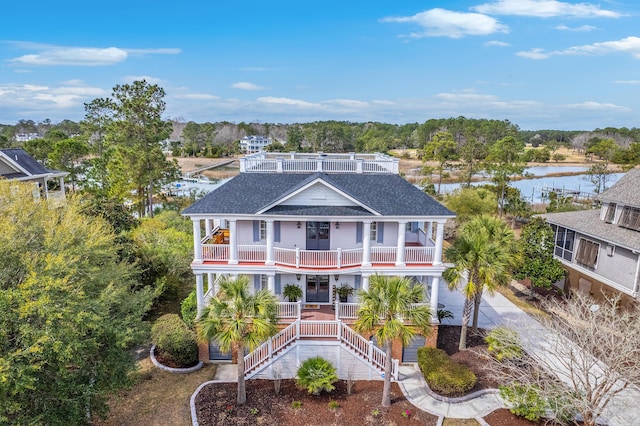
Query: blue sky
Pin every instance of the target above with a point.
(541, 64)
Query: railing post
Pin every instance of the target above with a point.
(297, 257)
(339, 331)
(298, 330)
(270, 347)
(337, 310)
(299, 313)
(339, 257)
(370, 351)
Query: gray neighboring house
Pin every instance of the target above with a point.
(319, 222)
(601, 248)
(17, 164)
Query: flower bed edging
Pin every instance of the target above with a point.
(155, 362)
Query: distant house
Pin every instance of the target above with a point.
(601, 248)
(16, 163)
(318, 222)
(25, 137)
(253, 144)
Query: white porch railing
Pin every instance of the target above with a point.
(346, 310)
(289, 310)
(351, 340)
(324, 163)
(317, 258)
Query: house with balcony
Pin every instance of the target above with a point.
(17, 164)
(600, 248)
(317, 221)
(252, 144)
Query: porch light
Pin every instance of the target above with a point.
(298, 275)
(298, 225)
(336, 276)
(337, 225)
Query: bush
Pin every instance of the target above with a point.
(317, 375)
(504, 343)
(189, 309)
(443, 375)
(175, 341)
(525, 401)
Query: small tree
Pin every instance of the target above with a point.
(581, 359)
(537, 243)
(317, 375)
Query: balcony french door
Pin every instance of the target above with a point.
(317, 289)
(318, 236)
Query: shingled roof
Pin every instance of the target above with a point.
(20, 157)
(625, 191)
(386, 194)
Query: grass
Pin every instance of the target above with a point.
(158, 397)
(525, 306)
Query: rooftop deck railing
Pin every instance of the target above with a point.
(323, 163)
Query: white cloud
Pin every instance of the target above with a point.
(536, 53)
(63, 100)
(544, 9)
(629, 45)
(351, 103)
(496, 43)
(582, 28)
(244, 85)
(382, 102)
(287, 101)
(627, 81)
(446, 23)
(592, 105)
(148, 79)
(85, 56)
(197, 96)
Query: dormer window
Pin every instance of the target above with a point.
(611, 213)
(630, 218)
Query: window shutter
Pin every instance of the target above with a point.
(256, 283)
(278, 286)
(359, 232)
(380, 232)
(276, 231)
(256, 230)
(356, 283)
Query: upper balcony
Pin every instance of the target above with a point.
(293, 162)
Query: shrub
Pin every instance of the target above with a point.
(316, 375)
(175, 341)
(443, 375)
(503, 343)
(525, 401)
(189, 309)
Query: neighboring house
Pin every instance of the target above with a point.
(600, 248)
(16, 163)
(253, 144)
(318, 221)
(26, 137)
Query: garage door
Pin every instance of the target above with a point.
(216, 355)
(410, 352)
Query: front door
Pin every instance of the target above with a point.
(318, 236)
(317, 288)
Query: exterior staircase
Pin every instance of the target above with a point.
(304, 332)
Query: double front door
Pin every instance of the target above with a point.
(318, 236)
(317, 288)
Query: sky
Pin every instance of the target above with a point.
(541, 64)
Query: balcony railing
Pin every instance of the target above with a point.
(325, 163)
(330, 259)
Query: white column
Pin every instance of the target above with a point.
(429, 230)
(271, 283)
(435, 283)
(62, 186)
(197, 241)
(437, 257)
(270, 237)
(210, 281)
(366, 243)
(365, 282)
(199, 294)
(233, 242)
(401, 242)
(207, 227)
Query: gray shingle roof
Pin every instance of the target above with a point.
(26, 161)
(248, 193)
(625, 191)
(588, 222)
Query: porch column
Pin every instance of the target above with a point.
(429, 230)
(62, 186)
(233, 243)
(46, 188)
(437, 257)
(210, 283)
(270, 237)
(197, 241)
(271, 283)
(207, 227)
(199, 294)
(366, 243)
(435, 283)
(401, 242)
(365, 282)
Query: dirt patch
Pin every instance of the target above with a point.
(158, 398)
(216, 406)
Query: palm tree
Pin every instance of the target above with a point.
(384, 308)
(237, 319)
(483, 255)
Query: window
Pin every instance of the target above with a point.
(630, 218)
(263, 230)
(264, 282)
(611, 213)
(373, 234)
(564, 242)
(587, 254)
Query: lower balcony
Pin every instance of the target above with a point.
(330, 259)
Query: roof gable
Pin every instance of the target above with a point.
(625, 191)
(22, 162)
